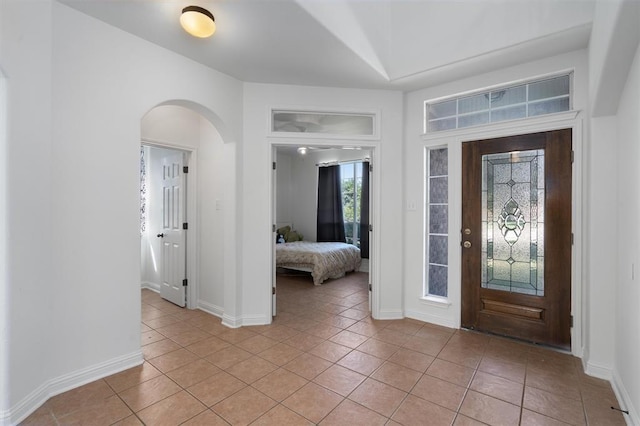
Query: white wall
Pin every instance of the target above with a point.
(612, 337)
(26, 336)
(256, 257)
(627, 293)
(413, 233)
(74, 189)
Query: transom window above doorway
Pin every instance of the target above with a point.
(345, 125)
(544, 96)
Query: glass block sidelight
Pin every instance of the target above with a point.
(513, 222)
(437, 222)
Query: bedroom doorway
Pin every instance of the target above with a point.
(295, 187)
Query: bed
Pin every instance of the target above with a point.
(323, 260)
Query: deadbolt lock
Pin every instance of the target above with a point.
(467, 231)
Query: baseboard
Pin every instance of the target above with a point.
(596, 370)
(230, 321)
(389, 314)
(211, 308)
(61, 384)
(624, 399)
(432, 319)
(255, 320)
(151, 286)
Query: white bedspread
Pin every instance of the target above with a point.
(325, 260)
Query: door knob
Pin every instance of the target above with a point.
(466, 244)
(467, 231)
(160, 235)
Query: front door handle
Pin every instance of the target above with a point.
(466, 244)
(160, 235)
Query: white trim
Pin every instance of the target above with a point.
(63, 383)
(432, 319)
(210, 308)
(624, 400)
(454, 139)
(233, 322)
(389, 314)
(151, 286)
(438, 302)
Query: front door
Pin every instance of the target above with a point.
(173, 235)
(516, 237)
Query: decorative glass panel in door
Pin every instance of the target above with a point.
(513, 222)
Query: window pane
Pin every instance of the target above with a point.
(549, 107)
(438, 162)
(320, 122)
(442, 109)
(473, 103)
(439, 125)
(438, 249)
(473, 119)
(512, 113)
(438, 190)
(549, 88)
(510, 96)
(438, 280)
(438, 219)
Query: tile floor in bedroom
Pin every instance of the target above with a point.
(325, 361)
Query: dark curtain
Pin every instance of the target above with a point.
(364, 212)
(330, 225)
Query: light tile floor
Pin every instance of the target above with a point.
(325, 361)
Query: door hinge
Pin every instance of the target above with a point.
(571, 320)
(273, 290)
(370, 228)
(573, 156)
(184, 283)
(572, 239)
(274, 165)
(273, 228)
(185, 169)
(369, 287)
(185, 225)
(371, 167)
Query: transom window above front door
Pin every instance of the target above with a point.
(534, 98)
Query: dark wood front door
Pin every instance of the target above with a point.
(516, 236)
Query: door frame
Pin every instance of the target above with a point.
(453, 141)
(191, 215)
(374, 211)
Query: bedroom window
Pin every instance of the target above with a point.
(351, 185)
(437, 222)
(534, 98)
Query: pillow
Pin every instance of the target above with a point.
(292, 236)
(284, 230)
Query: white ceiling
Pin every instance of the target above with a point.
(384, 44)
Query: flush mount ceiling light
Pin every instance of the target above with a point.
(198, 21)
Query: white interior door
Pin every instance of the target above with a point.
(173, 235)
